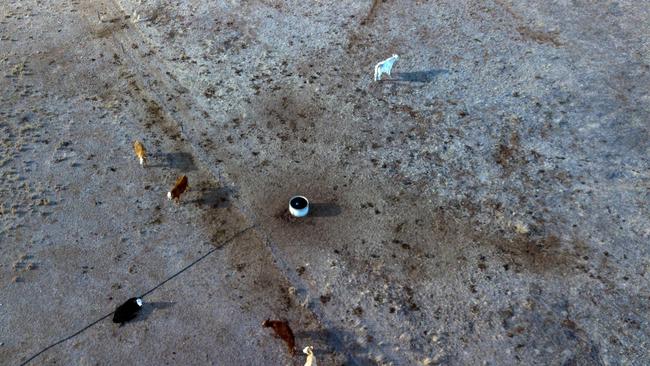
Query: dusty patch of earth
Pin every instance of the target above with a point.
(486, 205)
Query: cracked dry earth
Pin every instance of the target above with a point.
(486, 205)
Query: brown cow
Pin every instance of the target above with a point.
(282, 330)
(179, 188)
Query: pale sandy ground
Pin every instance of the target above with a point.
(488, 205)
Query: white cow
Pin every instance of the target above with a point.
(384, 67)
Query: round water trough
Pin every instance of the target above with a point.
(298, 206)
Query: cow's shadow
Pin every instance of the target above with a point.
(338, 340)
(149, 307)
(418, 76)
(181, 161)
(214, 197)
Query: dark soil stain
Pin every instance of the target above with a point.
(154, 112)
(109, 28)
(156, 116)
(372, 13)
(539, 252)
(358, 311)
(526, 32)
(539, 36)
(416, 115)
(289, 116)
(535, 253)
(284, 215)
(533, 329)
(324, 299)
(509, 154)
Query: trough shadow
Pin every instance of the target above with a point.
(418, 76)
(324, 210)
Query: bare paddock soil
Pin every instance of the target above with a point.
(486, 204)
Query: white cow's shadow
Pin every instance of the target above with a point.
(417, 76)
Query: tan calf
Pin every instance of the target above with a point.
(311, 360)
(140, 152)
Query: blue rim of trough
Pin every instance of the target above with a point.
(298, 206)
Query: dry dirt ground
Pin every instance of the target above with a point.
(486, 205)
